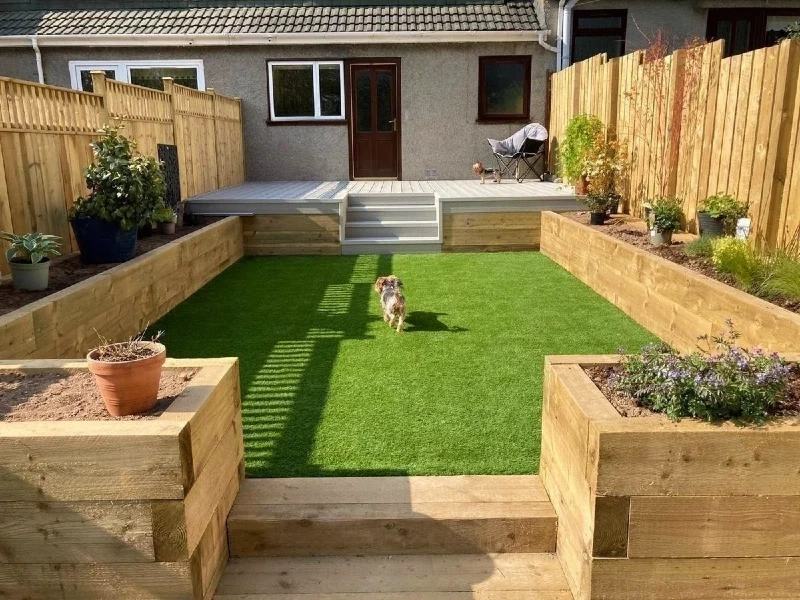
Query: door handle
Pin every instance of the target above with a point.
(394, 124)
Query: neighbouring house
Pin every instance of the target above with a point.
(348, 89)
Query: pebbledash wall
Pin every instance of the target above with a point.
(439, 98)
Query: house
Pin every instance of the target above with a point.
(350, 89)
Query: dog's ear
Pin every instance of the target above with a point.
(379, 284)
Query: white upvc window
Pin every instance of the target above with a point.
(148, 73)
(306, 90)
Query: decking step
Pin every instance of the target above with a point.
(392, 245)
(355, 230)
(401, 212)
(391, 515)
(416, 577)
(390, 199)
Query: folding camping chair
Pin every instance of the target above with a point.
(520, 153)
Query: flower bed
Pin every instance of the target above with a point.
(651, 509)
(676, 303)
(123, 508)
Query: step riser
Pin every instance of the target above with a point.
(390, 199)
(388, 213)
(389, 231)
(249, 538)
(398, 248)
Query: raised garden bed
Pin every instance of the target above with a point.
(674, 302)
(651, 509)
(120, 301)
(122, 508)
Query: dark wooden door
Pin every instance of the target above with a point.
(374, 118)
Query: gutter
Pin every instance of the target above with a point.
(564, 33)
(268, 39)
(39, 69)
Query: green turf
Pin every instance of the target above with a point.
(329, 389)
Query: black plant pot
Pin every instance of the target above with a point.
(146, 231)
(597, 218)
(711, 226)
(103, 242)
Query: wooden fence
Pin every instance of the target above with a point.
(694, 124)
(45, 133)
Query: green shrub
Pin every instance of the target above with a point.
(701, 247)
(736, 258)
(782, 278)
(665, 213)
(126, 188)
(576, 146)
(723, 381)
(725, 207)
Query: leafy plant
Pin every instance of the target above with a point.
(782, 272)
(725, 207)
(702, 246)
(30, 248)
(718, 381)
(126, 188)
(793, 31)
(599, 204)
(579, 138)
(665, 214)
(604, 162)
(736, 258)
(164, 215)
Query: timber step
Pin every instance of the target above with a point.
(392, 245)
(416, 577)
(381, 212)
(391, 199)
(359, 230)
(391, 515)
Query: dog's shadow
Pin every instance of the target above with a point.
(429, 321)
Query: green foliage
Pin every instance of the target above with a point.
(736, 258)
(793, 31)
(32, 247)
(782, 275)
(665, 213)
(164, 215)
(725, 207)
(126, 188)
(579, 140)
(702, 246)
(722, 381)
(600, 204)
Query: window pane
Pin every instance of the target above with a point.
(86, 78)
(293, 90)
(777, 27)
(505, 89)
(587, 46)
(385, 101)
(151, 76)
(330, 90)
(363, 101)
(600, 22)
(741, 38)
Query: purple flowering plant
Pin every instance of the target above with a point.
(719, 381)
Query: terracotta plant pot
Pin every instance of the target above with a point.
(581, 186)
(130, 387)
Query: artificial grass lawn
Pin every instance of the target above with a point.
(329, 389)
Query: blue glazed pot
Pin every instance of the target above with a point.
(103, 242)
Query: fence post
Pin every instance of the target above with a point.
(215, 114)
(99, 87)
(241, 142)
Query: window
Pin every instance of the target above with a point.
(147, 73)
(306, 90)
(746, 29)
(597, 32)
(504, 88)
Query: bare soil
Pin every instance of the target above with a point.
(633, 232)
(72, 395)
(69, 270)
(602, 376)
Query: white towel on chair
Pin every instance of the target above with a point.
(511, 145)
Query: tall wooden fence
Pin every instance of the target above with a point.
(694, 124)
(45, 133)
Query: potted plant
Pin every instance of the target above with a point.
(664, 219)
(579, 138)
(29, 258)
(602, 164)
(125, 190)
(599, 206)
(128, 373)
(719, 214)
(167, 219)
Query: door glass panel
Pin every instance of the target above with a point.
(385, 97)
(363, 101)
(293, 90)
(151, 76)
(587, 46)
(86, 78)
(600, 22)
(505, 91)
(330, 90)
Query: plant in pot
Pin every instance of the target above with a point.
(664, 219)
(29, 258)
(125, 190)
(603, 164)
(599, 206)
(167, 219)
(128, 373)
(576, 146)
(719, 213)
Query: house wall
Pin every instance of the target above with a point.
(439, 88)
(19, 63)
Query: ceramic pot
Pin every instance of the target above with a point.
(710, 226)
(167, 228)
(103, 242)
(130, 387)
(28, 276)
(660, 238)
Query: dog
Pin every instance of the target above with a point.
(393, 302)
(482, 172)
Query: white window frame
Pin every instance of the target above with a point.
(317, 103)
(122, 68)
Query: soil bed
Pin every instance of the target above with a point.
(73, 396)
(626, 406)
(632, 232)
(69, 270)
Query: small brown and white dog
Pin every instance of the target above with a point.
(393, 302)
(482, 172)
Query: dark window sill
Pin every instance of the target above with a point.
(503, 120)
(309, 122)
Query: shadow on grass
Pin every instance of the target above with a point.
(429, 321)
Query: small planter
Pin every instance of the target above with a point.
(581, 186)
(167, 228)
(660, 238)
(129, 387)
(597, 218)
(28, 276)
(710, 226)
(103, 242)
